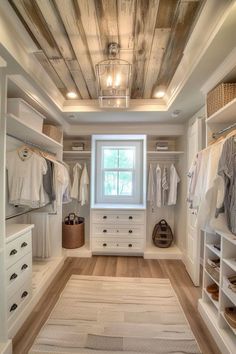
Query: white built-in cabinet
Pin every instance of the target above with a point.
(213, 311)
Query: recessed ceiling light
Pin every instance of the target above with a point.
(160, 91)
(71, 94)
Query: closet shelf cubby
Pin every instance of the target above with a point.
(215, 303)
(224, 115)
(165, 153)
(213, 249)
(17, 128)
(84, 153)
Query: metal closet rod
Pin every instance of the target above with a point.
(31, 144)
(214, 135)
(29, 211)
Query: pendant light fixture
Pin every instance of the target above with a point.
(113, 80)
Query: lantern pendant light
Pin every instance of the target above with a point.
(113, 80)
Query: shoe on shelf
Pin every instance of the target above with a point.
(212, 288)
(215, 296)
(230, 315)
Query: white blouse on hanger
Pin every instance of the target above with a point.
(151, 186)
(25, 179)
(84, 190)
(158, 186)
(76, 181)
(174, 180)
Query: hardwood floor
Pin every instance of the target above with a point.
(121, 267)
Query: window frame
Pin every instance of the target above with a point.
(138, 197)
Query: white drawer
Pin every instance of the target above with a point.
(18, 248)
(126, 231)
(107, 245)
(19, 273)
(118, 217)
(17, 302)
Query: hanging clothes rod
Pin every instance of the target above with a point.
(31, 144)
(214, 135)
(29, 211)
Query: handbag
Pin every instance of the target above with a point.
(162, 235)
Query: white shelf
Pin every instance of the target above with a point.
(231, 262)
(155, 153)
(214, 250)
(213, 279)
(229, 294)
(224, 115)
(215, 303)
(17, 128)
(79, 154)
(227, 235)
(153, 252)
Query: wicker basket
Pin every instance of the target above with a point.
(219, 97)
(53, 132)
(72, 235)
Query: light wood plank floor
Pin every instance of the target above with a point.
(121, 267)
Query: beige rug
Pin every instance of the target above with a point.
(99, 315)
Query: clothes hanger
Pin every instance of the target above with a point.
(233, 133)
(24, 152)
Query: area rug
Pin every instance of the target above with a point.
(106, 315)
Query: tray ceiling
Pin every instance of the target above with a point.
(72, 37)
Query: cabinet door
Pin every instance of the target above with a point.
(192, 260)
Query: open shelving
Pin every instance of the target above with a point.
(84, 153)
(224, 115)
(17, 128)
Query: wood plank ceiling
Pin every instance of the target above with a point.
(72, 36)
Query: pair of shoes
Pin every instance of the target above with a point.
(215, 296)
(212, 288)
(232, 281)
(230, 315)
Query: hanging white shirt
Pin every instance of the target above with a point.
(25, 179)
(158, 186)
(76, 181)
(165, 185)
(83, 190)
(151, 186)
(174, 180)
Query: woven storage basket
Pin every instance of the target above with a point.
(219, 97)
(53, 132)
(73, 235)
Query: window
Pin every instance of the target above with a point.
(118, 171)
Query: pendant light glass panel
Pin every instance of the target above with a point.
(113, 78)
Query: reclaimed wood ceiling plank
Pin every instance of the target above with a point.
(78, 77)
(146, 13)
(181, 28)
(32, 16)
(107, 20)
(159, 44)
(126, 20)
(62, 71)
(166, 12)
(41, 57)
(70, 15)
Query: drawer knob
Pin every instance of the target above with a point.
(13, 276)
(130, 245)
(117, 217)
(104, 245)
(117, 244)
(104, 231)
(13, 307)
(25, 266)
(24, 294)
(13, 252)
(130, 231)
(117, 230)
(130, 217)
(104, 217)
(24, 244)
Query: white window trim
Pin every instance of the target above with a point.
(126, 202)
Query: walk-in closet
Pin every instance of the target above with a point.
(117, 176)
